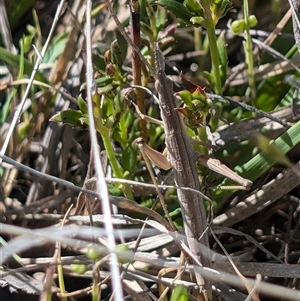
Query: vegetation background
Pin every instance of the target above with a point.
(48, 250)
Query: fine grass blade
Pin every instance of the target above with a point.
(14, 61)
(263, 161)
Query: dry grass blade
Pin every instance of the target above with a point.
(101, 184)
(260, 199)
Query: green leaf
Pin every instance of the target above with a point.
(186, 96)
(14, 61)
(107, 109)
(125, 122)
(105, 89)
(116, 54)
(222, 50)
(98, 61)
(129, 158)
(122, 45)
(263, 161)
(272, 150)
(288, 99)
(160, 18)
(28, 39)
(6, 106)
(72, 117)
(17, 10)
(220, 8)
(199, 21)
(113, 190)
(209, 76)
(118, 104)
(102, 81)
(82, 105)
(176, 8)
(147, 31)
(270, 92)
(178, 222)
(27, 42)
(194, 6)
(56, 48)
(31, 29)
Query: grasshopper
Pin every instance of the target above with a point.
(181, 157)
(161, 159)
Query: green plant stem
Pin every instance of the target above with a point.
(214, 59)
(153, 26)
(212, 45)
(95, 289)
(202, 135)
(249, 54)
(198, 45)
(61, 281)
(118, 171)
